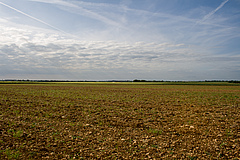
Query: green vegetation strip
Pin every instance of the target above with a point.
(214, 83)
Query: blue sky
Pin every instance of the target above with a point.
(120, 39)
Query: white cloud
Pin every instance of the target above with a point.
(40, 50)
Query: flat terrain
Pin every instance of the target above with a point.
(119, 121)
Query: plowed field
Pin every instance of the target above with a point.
(116, 121)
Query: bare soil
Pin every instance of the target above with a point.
(77, 121)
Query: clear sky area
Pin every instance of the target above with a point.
(120, 39)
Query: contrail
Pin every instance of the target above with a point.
(33, 18)
(214, 11)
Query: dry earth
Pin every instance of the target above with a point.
(83, 121)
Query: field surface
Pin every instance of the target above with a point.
(119, 121)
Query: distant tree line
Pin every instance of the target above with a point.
(135, 80)
(234, 81)
(229, 81)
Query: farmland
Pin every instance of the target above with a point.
(119, 121)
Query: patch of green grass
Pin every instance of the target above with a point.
(11, 154)
(14, 133)
(192, 158)
(154, 146)
(228, 132)
(18, 134)
(222, 144)
(155, 131)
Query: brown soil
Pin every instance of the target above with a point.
(119, 122)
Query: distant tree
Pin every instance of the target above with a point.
(136, 80)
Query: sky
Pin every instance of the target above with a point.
(120, 39)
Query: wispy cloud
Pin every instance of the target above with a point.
(83, 8)
(32, 17)
(213, 12)
(120, 20)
